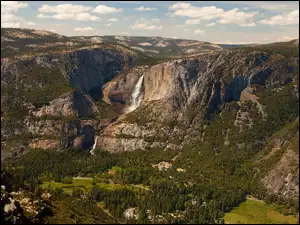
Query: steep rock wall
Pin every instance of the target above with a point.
(175, 90)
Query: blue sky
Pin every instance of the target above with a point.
(213, 21)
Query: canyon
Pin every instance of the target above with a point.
(102, 99)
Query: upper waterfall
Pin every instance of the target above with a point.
(136, 95)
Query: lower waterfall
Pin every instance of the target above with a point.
(94, 146)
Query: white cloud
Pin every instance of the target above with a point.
(275, 6)
(144, 24)
(180, 5)
(283, 19)
(12, 6)
(83, 29)
(31, 23)
(8, 14)
(199, 32)
(210, 24)
(71, 16)
(10, 25)
(86, 16)
(185, 29)
(64, 9)
(103, 9)
(235, 16)
(7, 17)
(192, 21)
(79, 16)
(108, 25)
(67, 12)
(203, 13)
(113, 20)
(42, 16)
(142, 8)
(64, 16)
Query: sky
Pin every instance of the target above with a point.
(234, 22)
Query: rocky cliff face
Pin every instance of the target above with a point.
(86, 69)
(51, 89)
(73, 104)
(179, 94)
(282, 179)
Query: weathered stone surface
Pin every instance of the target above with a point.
(282, 179)
(78, 142)
(44, 144)
(72, 104)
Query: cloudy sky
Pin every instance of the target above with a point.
(218, 22)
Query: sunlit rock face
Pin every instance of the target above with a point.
(199, 86)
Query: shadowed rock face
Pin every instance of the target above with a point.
(75, 103)
(88, 134)
(234, 89)
(83, 105)
(86, 69)
(260, 77)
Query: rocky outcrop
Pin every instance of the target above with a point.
(131, 213)
(127, 144)
(162, 165)
(124, 136)
(44, 144)
(283, 179)
(71, 104)
(64, 134)
(12, 211)
(282, 154)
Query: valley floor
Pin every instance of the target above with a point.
(254, 211)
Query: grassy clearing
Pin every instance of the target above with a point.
(86, 185)
(257, 212)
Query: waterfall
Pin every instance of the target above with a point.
(136, 95)
(94, 146)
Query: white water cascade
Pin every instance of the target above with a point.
(136, 95)
(94, 146)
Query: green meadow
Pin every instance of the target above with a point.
(86, 185)
(257, 212)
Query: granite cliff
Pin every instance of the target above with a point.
(83, 98)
